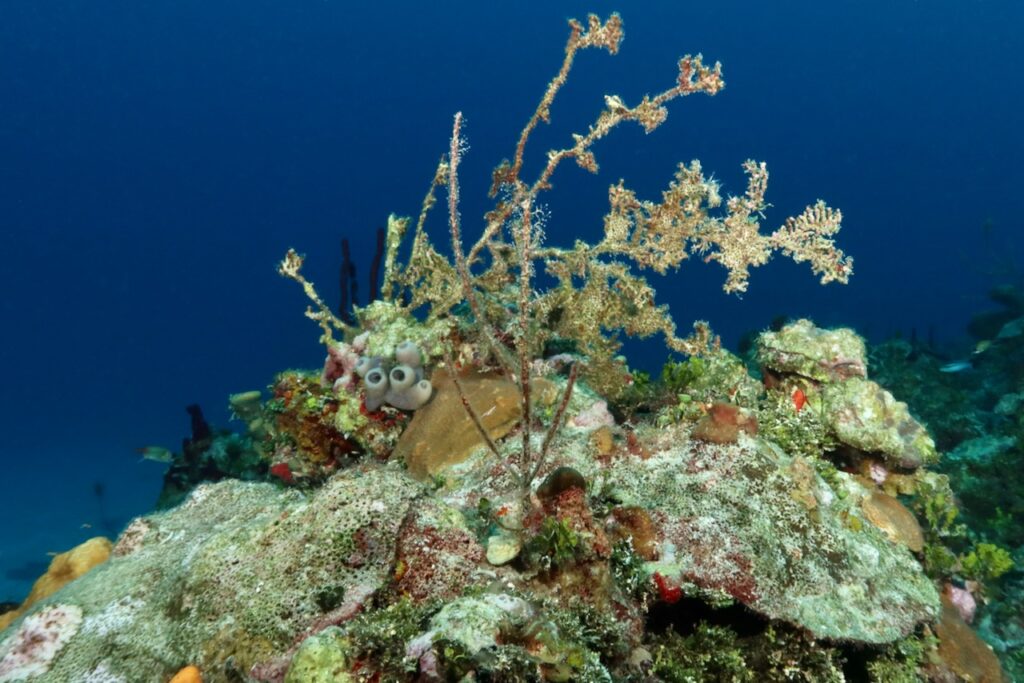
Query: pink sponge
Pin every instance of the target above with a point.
(29, 651)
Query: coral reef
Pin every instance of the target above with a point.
(973, 511)
(476, 487)
(233, 576)
(210, 454)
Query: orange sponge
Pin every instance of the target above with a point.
(189, 674)
(64, 568)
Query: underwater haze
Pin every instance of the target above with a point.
(157, 159)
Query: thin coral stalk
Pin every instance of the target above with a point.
(470, 410)
(694, 77)
(461, 265)
(524, 242)
(607, 36)
(556, 424)
(291, 267)
(454, 221)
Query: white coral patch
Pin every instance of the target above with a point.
(29, 651)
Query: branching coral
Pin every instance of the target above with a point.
(598, 292)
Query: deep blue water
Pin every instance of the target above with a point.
(158, 158)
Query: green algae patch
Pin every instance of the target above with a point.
(322, 658)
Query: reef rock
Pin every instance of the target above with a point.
(858, 412)
(865, 416)
(322, 658)
(29, 651)
(743, 520)
(803, 349)
(227, 580)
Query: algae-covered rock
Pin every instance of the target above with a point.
(231, 577)
(502, 548)
(801, 348)
(29, 650)
(322, 658)
(437, 556)
(864, 415)
(714, 376)
(855, 411)
(476, 622)
(64, 568)
(389, 325)
(749, 521)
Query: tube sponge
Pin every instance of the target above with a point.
(402, 387)
(376, 388)
(411, 397)
(407, 353)
(365, 364)
(402, 377)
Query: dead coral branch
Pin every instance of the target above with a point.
(291, 268)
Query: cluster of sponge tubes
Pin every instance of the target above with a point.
(403, 386)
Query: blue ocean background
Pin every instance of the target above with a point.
(158, 158)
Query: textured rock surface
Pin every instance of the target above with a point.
(751, 522)
(228, 579)
(864, 415)
(322, 658)
(29, 651)
(801, 348)
(857, 411)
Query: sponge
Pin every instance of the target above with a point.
(403, 386)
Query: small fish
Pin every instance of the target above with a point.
(155, 453)
(799, 399)
(956, 366)
(86, 525)
(982, 346)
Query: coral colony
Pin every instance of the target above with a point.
(475, 487)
